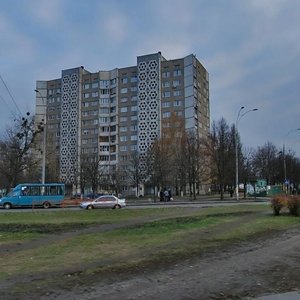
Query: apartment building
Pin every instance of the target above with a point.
(108, 115)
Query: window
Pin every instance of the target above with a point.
(95, 85)
(104, 129)
(166, 84)
(124, 90)
(123, 119)
(103, 119)
(133, 89)
(86, 95)
(123, 148)
(166, 104)
(86, 86)
(134, 128)
(104, 157)
(134, 108)
(134, 138)
(133, 78)
(104, 91)
(104, 83)
(166, 94)
(177, 103)
(124, 80)
(134, 118)
(166, 74)
(177, 72)
(124, 99)
(123, 138)
(133, 147)
(176, 93)
(176, 83)
(95, 94)
(104, 110)
(113, 81)
(104, 101)
(134, 98)
(166, 114)
(104, 148)
(123, 129)
(124, 109)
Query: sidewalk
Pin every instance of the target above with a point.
(148, 200)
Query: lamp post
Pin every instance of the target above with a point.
(239, 116)
(44, 138)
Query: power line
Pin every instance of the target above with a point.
(12, 112)
(11, 96)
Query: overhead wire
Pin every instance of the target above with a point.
(11, 96)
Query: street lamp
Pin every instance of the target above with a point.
(44, 138)
(239, 116)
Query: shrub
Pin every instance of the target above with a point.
(293, 204)
(277, 203)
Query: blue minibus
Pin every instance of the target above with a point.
(34, 194)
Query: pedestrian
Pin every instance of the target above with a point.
(161, 195)
(166, 194)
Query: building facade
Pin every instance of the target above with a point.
(108, 115)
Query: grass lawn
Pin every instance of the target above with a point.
(168, 233)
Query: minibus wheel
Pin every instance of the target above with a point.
(7, 205)
(46, 204)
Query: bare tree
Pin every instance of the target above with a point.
(246, 168)
(264, 162)
(16, 150)
(135, 173)
(194, 161)
(220, 149)
(157, 165)
(116, 175)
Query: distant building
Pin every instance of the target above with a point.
(108, 115)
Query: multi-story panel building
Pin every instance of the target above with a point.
(108, 115)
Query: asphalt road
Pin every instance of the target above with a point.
(145, 205)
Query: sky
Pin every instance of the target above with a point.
(250, 48)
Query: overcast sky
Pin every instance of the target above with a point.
(250, 48)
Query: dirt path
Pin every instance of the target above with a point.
(242, 272)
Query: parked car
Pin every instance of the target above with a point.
(105, 201)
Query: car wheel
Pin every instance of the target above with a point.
(46, 204)
(117, 206)
(7, 205)
(89, 207)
